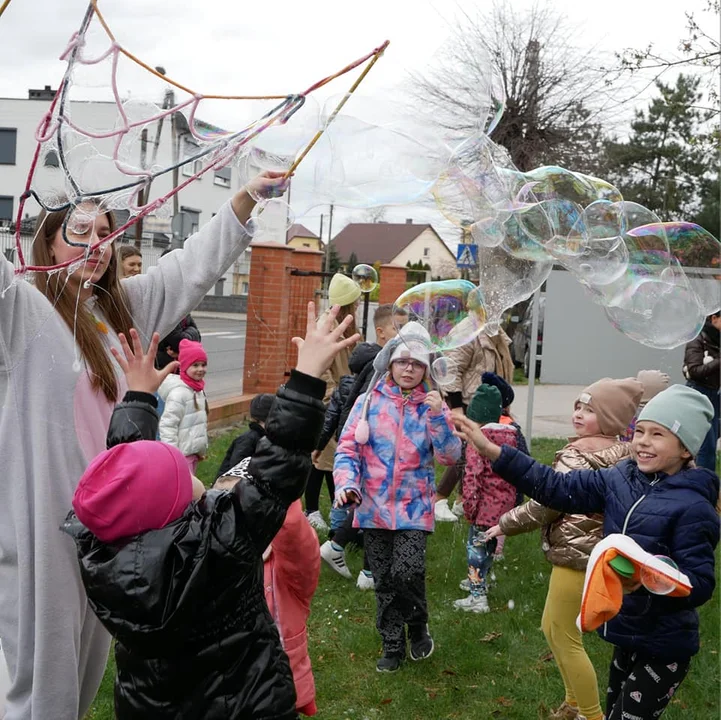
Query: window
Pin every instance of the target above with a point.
(8, 145)
(222, 177)
(6, 207)
(426, 252)
(245, 288)
(190, 168)
(193, 168)
(51, 159)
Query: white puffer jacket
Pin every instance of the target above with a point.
(184, 423)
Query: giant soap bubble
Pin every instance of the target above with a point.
(452, 311)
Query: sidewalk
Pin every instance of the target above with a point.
(552, 409)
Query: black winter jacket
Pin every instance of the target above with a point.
(242, 447)
(194, 637)
(704, 347)
(672, 515)
(186, 329)
(343, 397)
(362, 381)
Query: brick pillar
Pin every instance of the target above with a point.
(303, 288)
(267, 329)
(392, 283)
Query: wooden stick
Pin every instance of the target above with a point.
(338, 108)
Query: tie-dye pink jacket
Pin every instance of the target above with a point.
(394, 473)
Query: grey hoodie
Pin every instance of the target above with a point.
(51, 424)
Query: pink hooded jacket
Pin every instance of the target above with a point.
(291, 571)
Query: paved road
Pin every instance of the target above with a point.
(224, 341)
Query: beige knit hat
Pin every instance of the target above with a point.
(653, 381)
(614, 401)
(342, 290)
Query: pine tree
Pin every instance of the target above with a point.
(665, 161)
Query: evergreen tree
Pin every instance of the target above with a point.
(668, 157)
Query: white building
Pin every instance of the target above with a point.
(196, 204)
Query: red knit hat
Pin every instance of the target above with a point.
(133, 488)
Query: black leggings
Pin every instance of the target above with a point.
(312, 490)
(641, 686)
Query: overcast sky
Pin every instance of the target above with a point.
(226, 46)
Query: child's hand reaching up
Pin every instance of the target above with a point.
(471, 432)
(322, 343)
(139, 367)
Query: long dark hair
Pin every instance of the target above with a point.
(110, 297)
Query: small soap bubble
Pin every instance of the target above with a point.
(655, 582)
(366, 277)
(511, 604)
(443, 371)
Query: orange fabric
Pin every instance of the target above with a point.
(603, 589)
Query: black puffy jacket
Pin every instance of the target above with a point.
(194, 638)
(186, 329)
(242, 447)
(344, 395)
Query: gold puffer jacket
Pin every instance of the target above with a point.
(567, 540)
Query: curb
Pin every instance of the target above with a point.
(228, 411)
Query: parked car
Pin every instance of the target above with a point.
(521, 347)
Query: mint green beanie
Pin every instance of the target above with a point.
(485, 405)
(684, 411)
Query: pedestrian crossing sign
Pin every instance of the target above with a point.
(467, 256)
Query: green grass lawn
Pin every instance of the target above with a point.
(484, 666)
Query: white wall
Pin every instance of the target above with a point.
(580, 345)
(203, 194)
(440, 258)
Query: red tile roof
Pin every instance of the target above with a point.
(298, 230)
(377, 242)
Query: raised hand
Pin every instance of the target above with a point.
(139, 367)
(267, 185)
(322, 343)
(471, 432)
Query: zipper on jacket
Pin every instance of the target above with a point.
(635, 505)
(625, 525)
(399, 436)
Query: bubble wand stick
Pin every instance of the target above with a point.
(377, 53)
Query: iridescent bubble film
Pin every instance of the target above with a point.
(452, 311)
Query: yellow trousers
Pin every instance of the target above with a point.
(563, 604)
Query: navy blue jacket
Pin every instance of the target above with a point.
(671, 515)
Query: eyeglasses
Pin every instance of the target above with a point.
(412, 364)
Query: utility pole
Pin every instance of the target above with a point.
(143, 192)
(330, 235)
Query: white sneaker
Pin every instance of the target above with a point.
(457, 508)
(335, 558)
(316, 521)
(465, 585)
(443, 512)
(365, 582)
(473, 604)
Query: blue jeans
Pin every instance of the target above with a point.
(338, 516)
(707, 454)
(480, 558)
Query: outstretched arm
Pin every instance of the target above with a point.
(581, 491)
(135, 418)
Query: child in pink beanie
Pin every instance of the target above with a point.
(176, 574)
(184, 423)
